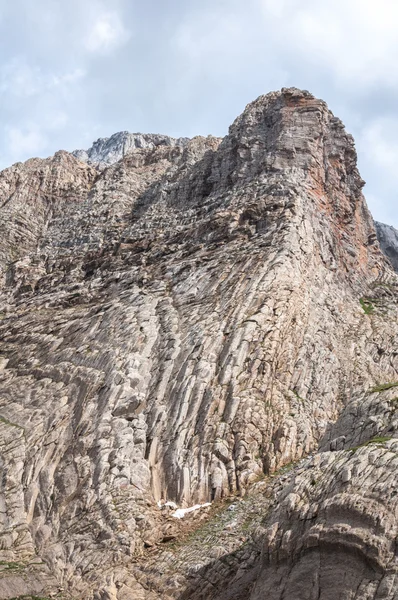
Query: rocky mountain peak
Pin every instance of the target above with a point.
(292, 139)
(293, 130)
(107, 151)
(203, 324)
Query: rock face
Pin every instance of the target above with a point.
(179, 325)
(388, 239)
(107, 151)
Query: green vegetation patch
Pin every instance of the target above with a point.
(378, 439)
(11, 566)
(7, 422)
(285, 469)
(29, 598)
(383, 284)
(298, 397)
(367, 306)
(383, 386)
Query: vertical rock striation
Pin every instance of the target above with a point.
(174, 326)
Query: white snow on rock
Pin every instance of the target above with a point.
(181, 512)
(168, 503)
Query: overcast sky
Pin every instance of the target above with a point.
(75, 70)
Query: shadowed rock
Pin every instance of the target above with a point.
(388, 239)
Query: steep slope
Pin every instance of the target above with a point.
(325, 529)
(388, 239)
(188, 319)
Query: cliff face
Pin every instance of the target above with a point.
(178, 325)
(388, 239)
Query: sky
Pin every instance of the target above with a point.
(73, 71)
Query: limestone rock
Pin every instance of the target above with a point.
(107, 151)
(182, 325)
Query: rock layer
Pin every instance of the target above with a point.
(177, 325)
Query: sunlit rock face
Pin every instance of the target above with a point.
(107, 151)
(180, 318)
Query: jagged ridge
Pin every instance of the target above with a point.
(107, 151)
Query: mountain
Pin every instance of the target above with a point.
(388, 239)
(208, 322)
(107, 151)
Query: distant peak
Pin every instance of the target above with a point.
(388, 240)
(107, 151)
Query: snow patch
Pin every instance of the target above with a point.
(172, 505)
(181, 512)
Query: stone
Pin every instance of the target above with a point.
(186, 321)
(107, 151)
(388, 239)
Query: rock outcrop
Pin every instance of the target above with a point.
(388, 240)
(178, 325)
(107, 151)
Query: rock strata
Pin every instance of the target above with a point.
(182, 326)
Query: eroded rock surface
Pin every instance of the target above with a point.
(328, 527)
(107, 151)
(388, 239)
(178, 325)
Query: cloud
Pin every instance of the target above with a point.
(67, 79)
(35, 106)
(222, 51)
(275, 8)
(378, 155)
(22, 142)
(32, 139)
(379, 140)
(211, 34)
(21, 79)
(354, 40)
(106, 34)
